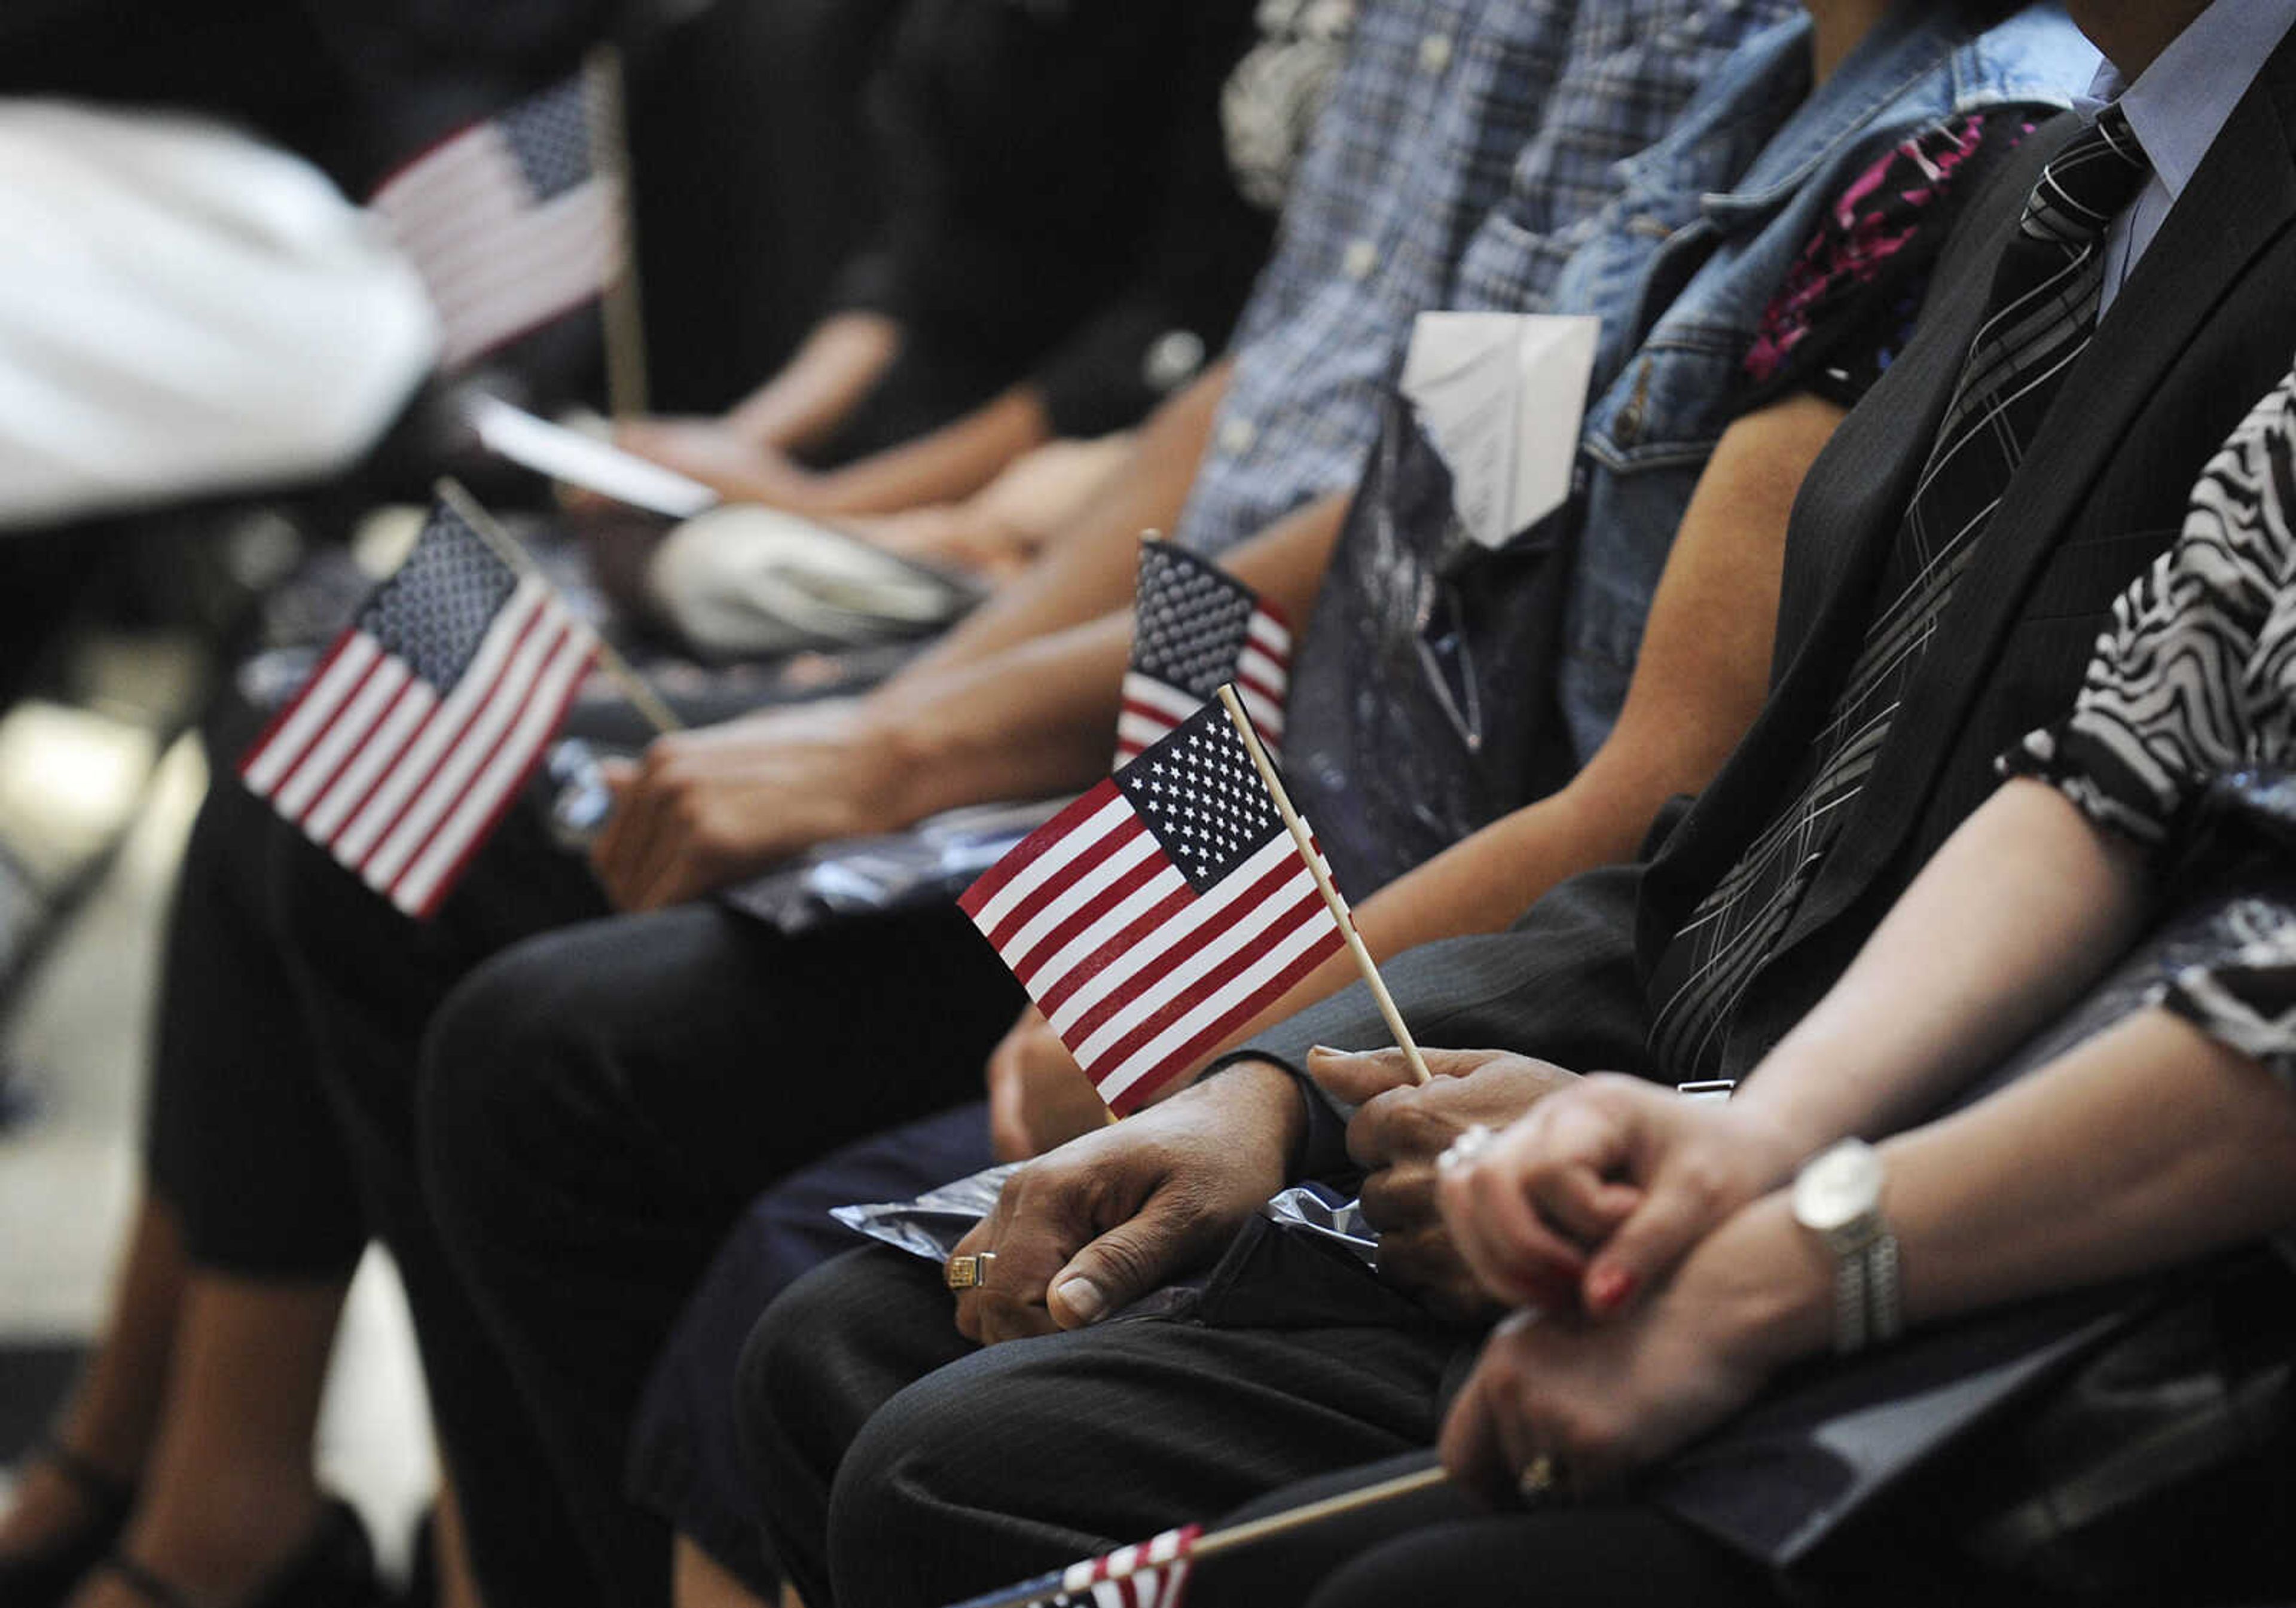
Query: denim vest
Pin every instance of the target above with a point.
(1440, 685)
(1656, 416)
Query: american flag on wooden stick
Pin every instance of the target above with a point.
(1158, 912)
(1153, 1574)
(425, 717)
(514, 220)
(1195, 627)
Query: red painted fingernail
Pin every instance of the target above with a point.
(1607, 1289)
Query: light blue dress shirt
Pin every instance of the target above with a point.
(2177, 107)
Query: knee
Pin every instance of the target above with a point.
(500, 1087)
(781, 1384)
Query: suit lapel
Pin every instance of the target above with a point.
(2242, 196)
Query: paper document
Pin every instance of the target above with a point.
(1502, 395)
(584, 460)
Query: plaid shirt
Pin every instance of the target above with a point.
(1465, 138)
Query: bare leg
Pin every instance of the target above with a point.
(229, 1491)
(696, 1581)
(458, 1587)
(114, 1409)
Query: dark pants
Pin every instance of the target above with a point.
(685, 1455)
(902, 1466)
(598, 1108)
(605, 1100)
(1443, 1549)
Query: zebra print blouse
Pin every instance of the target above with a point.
(2197, 677)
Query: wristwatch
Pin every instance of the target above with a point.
(1837, 1195)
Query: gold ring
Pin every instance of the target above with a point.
(968, 1272)
(1539, 1478)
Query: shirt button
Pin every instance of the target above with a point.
(1237, 437)
(1434, 52)
(1174, 357)
(1359, 260)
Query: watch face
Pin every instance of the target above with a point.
(1838, 1187)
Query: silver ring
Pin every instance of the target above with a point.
(1539, 1479)
(969, 1272)
(1470, 1144)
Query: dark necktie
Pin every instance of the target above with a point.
(2039, 316)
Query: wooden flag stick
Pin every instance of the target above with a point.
(1324, 886)
(1315, 1513)
(505, 546)
(619, 308)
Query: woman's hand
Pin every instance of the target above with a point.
(1038, 1098)
(1600, 1400)
(1602, 1188)
(736, 466)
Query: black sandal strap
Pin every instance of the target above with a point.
(146, 1585)
(103, 1490)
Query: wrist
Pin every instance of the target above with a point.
(1767, 1285)
(908, 758)
(1770, 1143)
(1785, 1108)
(1275, 1098)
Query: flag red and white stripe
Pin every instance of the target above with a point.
(1195, 627)
(1153, 707)
(400, 773)
(1153, 1574)
(1158, 912)
(509, 222)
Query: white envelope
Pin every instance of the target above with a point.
(1502, 396)
(584, 461)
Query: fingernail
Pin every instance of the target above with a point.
(1607, 1289)
(1324, 1049)
(1082, 1297)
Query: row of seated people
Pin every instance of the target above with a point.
(1890, 351)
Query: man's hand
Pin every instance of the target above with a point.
(1038, 1096)
(1108, 1217)
(1398, 1133)
(707, 808)
(1617, 1167)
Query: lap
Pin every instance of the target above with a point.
(958, 1469)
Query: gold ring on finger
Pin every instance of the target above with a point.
(1539, 1478)
(969, 1272)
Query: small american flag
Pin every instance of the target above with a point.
(1195, 627)
(511, 222)
(1158, 912)
(1153, 1574)
(424, 717)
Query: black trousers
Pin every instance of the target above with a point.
(901, 1465)
(601, 1103)
(1442, 1548)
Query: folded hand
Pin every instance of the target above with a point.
(1108, 1217)
(1597, 1193)
(1398, 1133)
(704, 809)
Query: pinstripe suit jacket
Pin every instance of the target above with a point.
(2203, 326)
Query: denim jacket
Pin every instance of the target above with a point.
(1441, 685)
(1683, 271)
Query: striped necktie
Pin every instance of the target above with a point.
(2039, 316)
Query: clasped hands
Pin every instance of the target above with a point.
(1591, 1211)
